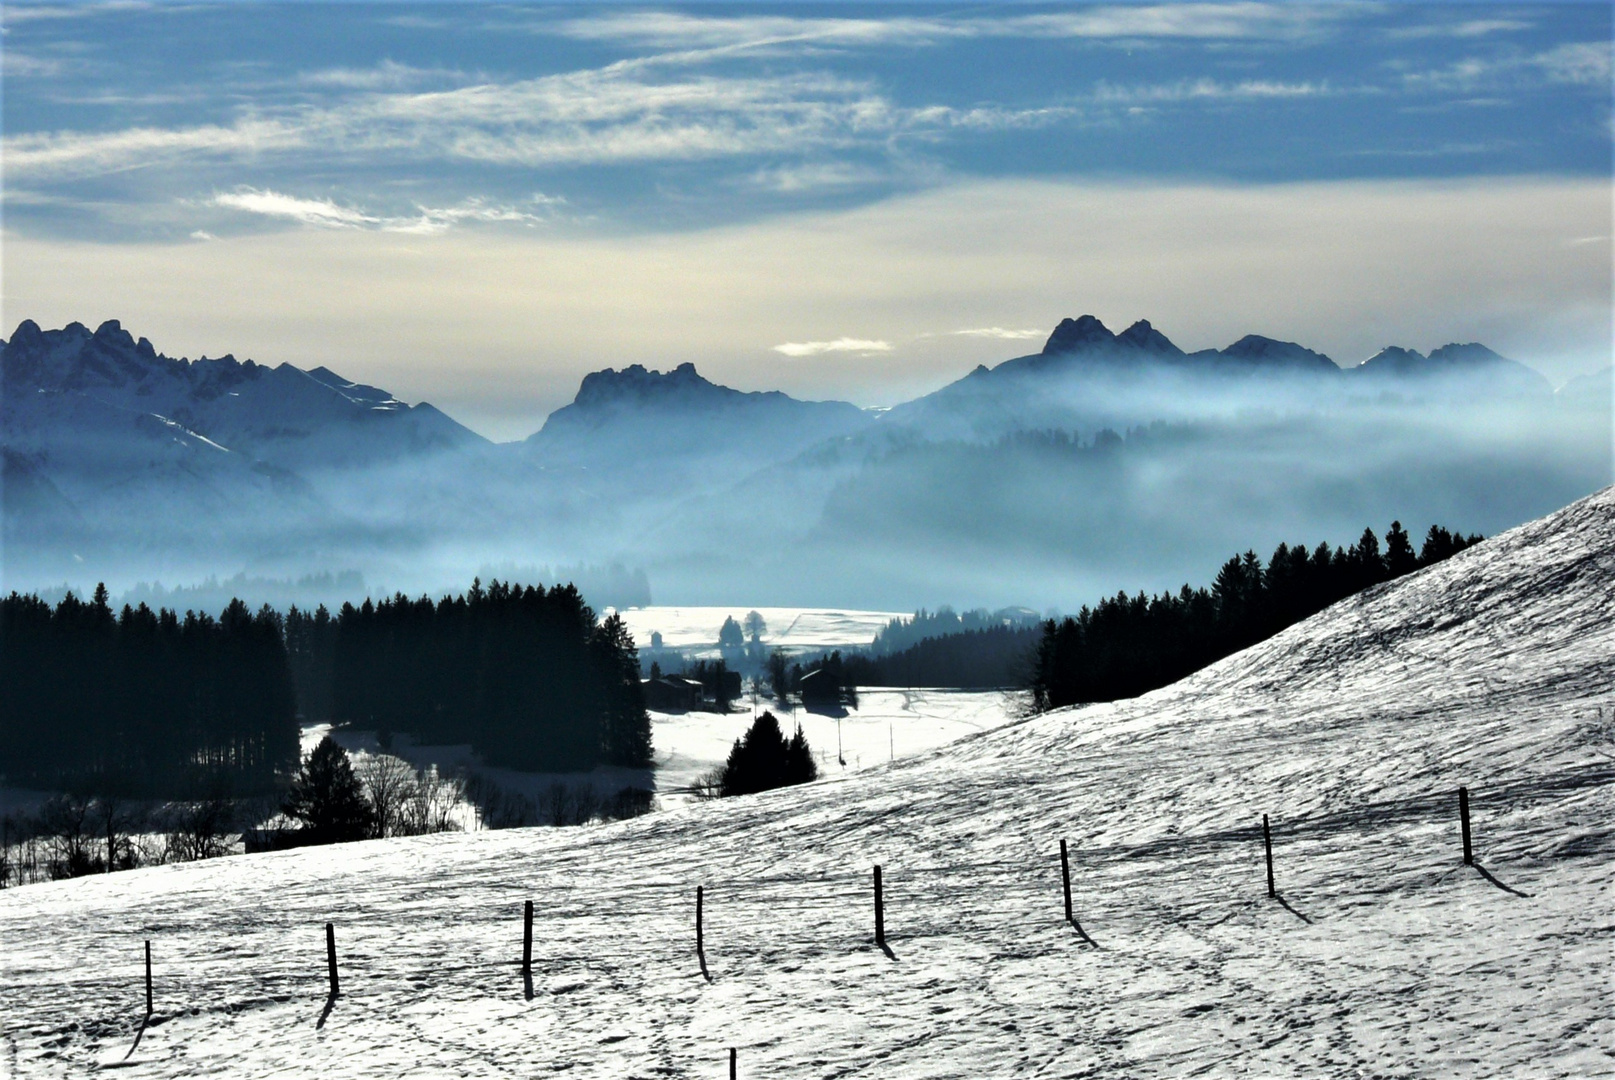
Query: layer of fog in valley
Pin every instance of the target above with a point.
(1104, 461)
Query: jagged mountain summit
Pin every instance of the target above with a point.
(109, 382)
(1086, 377)
(668, 423)
(1088, 338)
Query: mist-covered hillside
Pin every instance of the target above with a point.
(1104, 460)
(1382, 953)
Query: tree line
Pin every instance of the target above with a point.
(526, 675)
(143, 702)
(995, 656)
(1128, 645)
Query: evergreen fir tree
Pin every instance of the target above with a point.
(327, 798)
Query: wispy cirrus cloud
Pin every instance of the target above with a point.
(1208, 89)
(321, 212)
(1458, 28)
(93, 153)
(668, 29)
(861, 346)
(20, 65)
(625, 112)
(1579, 63)
(18, 13)
(999, 333)
(327, 214)
(1584, 63)
(387, 75)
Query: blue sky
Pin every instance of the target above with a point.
(475, 204)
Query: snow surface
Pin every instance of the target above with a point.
(886, 725)
(1387, 956)
(792, 629)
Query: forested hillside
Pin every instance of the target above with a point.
(142, 702)
(1128, 645)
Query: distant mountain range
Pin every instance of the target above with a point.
(110, 382)
(125, 463)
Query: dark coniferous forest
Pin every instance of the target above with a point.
(526, 676)
(147, 703)
(142, 702)
(1129, 645)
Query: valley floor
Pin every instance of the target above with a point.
(1384, 955)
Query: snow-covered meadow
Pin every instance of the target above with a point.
(693, 631)
(1384, 956)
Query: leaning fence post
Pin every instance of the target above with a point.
(1267, 843)
(1065, 879)
(880, 912)
(148, 977)
(527, 939)
(1463, 818)
(330, 955)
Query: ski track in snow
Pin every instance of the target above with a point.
(1388, 957)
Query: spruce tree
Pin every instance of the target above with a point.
(327, 798)
(1399, 556)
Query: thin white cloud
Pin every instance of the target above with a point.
(387, 75)
(15, 13)
(1462, 28)
(77, 153)
(839, 345)
(320, 212)
(625, 112)
(16, 65)
(202, 234)
(1207, 89)
(1583, 63)
(999, 333)
(326, 214)
(662, 29)
(814, 176)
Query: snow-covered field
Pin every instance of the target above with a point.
(1386, 957)
(795, 630)
(886, 725)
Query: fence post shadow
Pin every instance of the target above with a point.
(325, 1013)
(701, 955)
(1487, 874)
(1285, 904)
(1083, 934)
(887, 949)
(145, 1022)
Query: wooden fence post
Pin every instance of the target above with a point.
(700, 939)
(1463, 818)
(1267, 842)
(148, 977)
(731, 1063)
(1065, 879)
(880, 912)
(330, 956)
(527, 938)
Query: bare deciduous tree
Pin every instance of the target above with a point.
(390, 786)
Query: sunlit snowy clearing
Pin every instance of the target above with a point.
(1387, 956)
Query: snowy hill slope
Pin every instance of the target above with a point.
(1387, 957)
